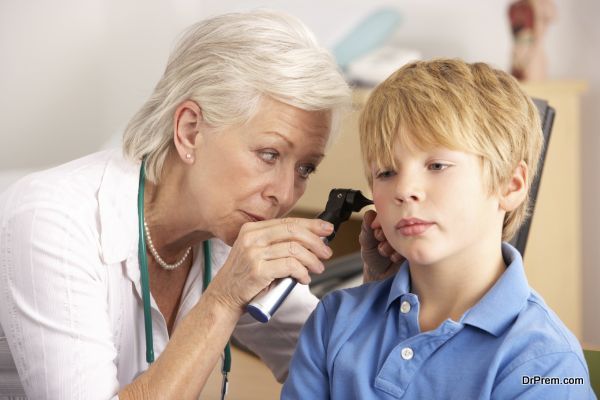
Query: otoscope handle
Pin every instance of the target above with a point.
(265, 304)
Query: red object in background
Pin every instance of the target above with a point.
(529, 20)
(521, 16)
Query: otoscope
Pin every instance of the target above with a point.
(340, 205)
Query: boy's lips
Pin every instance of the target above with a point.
(413, 226)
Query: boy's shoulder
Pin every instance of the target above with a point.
(537, 333)
(539, 321)
(521, 324)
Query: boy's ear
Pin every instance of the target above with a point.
(515, 190)
(187, 122)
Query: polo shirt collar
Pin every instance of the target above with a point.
(497, 308)
(502, 303)
(400, 284)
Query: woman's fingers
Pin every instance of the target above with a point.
(366, 237)
(287, 266)
(369, 217)
(268, 250)
(396, 257)
(307, 232)
(375, 224)
(372, 228)
(385, 249)
(379, 235)
(315, 225)
(294, 250)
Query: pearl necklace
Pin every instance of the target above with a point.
(157, 258)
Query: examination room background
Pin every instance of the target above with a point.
(73, 72)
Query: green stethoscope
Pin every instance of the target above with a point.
(226, 367)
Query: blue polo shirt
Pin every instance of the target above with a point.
(365, 343)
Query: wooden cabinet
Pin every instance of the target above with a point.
(249, 379)
(553, 254)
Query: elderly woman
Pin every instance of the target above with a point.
(220, 152)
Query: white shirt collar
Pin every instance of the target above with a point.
(117, 209)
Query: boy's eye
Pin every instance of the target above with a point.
(438, 166)
(306, 170)
(268, 156)
(384, 174)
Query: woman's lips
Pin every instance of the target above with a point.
(413, 226)
(252, 217)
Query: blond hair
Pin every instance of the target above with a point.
(226, 64)
(460, 106)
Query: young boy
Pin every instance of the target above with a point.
(450, 151)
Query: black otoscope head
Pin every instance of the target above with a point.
(340, 205)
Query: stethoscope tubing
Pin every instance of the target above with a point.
(145, 283)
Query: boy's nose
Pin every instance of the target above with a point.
(408, 192)
(409, 197)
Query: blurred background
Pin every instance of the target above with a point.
(73, 72)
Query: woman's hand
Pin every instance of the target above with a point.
(268, 250)
(379, 257)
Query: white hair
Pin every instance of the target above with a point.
(226, 64)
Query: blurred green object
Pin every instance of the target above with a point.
(593, 361)
(369, 34)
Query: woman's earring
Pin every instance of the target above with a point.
(188, 156)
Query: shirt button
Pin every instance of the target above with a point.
(404, 307)
(407, 353)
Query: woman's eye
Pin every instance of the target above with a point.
(306, 170)
(438, 166)
(268, 156)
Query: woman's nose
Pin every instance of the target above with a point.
(281, 189)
